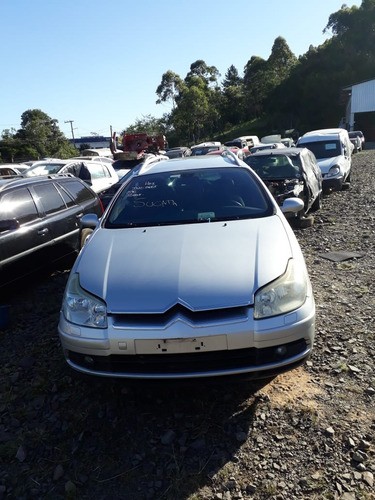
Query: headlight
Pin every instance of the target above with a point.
(82, 308)
(334, 171)
(282, 295)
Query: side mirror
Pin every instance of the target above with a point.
(292, 206)
(89, 221)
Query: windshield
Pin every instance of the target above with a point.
(125, 164)
(203, 150)
(275, 166)
(323, 149)
(45, 169)
(204, 195)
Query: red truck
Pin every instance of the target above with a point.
(136, 146)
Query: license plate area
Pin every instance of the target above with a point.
(181, 345)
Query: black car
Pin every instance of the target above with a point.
(290, 172)
(39, 221)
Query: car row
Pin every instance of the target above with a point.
(198, 272)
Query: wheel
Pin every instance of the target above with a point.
(85, 234)
(317, 205)
(303, 221)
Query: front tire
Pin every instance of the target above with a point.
(85, 234)
(317, 205)
(304, 222)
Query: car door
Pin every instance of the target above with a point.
(61, 215)
(30, 233)
(100, 176)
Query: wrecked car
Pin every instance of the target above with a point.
(291, 172)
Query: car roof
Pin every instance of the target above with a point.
(193, 162)
(20, 181)
(279, 151)
(206, 144)
(93, 158)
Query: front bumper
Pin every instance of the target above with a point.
(183, 350)
(330, 184)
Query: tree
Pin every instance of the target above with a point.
(169, 88)
(149, 125)
(281, 61)
(192, 111)
(195, 101)
(42, 137)
(209, 74)
(254, 90)
(232, 98)
(8, 146)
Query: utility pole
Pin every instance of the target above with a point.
(71, 127)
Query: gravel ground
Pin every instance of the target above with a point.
(307, 434)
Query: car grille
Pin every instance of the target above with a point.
(200, 362)
(217, 316)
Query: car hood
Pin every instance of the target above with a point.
(200, 266)
(326, 163)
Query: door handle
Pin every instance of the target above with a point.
(42, 232)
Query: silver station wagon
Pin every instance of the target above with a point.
(192, 271)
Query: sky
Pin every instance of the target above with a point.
(94, 66)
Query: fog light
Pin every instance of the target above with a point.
(88, 360)
(281, 351)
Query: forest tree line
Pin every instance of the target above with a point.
(270, 95)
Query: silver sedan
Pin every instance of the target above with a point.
(193, 271)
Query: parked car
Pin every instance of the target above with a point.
(8, 170)
(333, 151)
(288, 142)
(205, 147)
(20, 167)
(122, 166)
(197, 274)
(178, 152)
(100, 159)
(291, 172)
(271, 145)
(97, 175)
(361, 136)
(240, 144)
(39, 221)
(357, 140)
(234, 149)
(107, 195)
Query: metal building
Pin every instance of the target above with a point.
(360, 108)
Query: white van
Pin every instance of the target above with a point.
(251, 140)
(333, 151)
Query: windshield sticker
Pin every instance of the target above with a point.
(155, 204)
(206, 216)
(330, 146)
